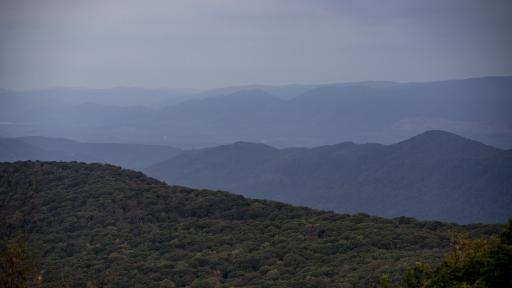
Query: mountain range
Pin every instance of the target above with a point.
(435, 175)
(135, 156)
(281, 116)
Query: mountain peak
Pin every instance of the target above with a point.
(250, 94)
(243, 145)
(439, 143)
(445, 137)
(438, 133)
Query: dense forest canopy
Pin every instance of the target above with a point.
(470, 263)
(104, 226)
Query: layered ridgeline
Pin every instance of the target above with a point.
(134, 156)
(104, 226)
(435, 175)
(283, 116)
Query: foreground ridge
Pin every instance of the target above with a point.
(103, 225)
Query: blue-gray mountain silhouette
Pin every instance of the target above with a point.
(282, 116)
(435, 175)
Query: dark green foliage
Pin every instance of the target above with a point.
(16, 264)
(167, 284)
(470, 263)
(103, 226)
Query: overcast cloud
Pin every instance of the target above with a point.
(204, 44)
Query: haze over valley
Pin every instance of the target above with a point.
(282, 116)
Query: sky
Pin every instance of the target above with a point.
(207, 44)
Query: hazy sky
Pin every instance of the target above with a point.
(202, 44)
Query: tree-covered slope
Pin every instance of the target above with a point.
(470, 264)
(435, 175)
(105, 226)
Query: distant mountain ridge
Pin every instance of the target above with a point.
(435, 175)
(133, 156)
(282, 116)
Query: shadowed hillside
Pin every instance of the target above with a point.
(435, 175)
(109, 227)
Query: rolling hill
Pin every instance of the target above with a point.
(435, 175)
(133, 156)
(102, 226)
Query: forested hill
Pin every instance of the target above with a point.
(435, 175)
(104, 226)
